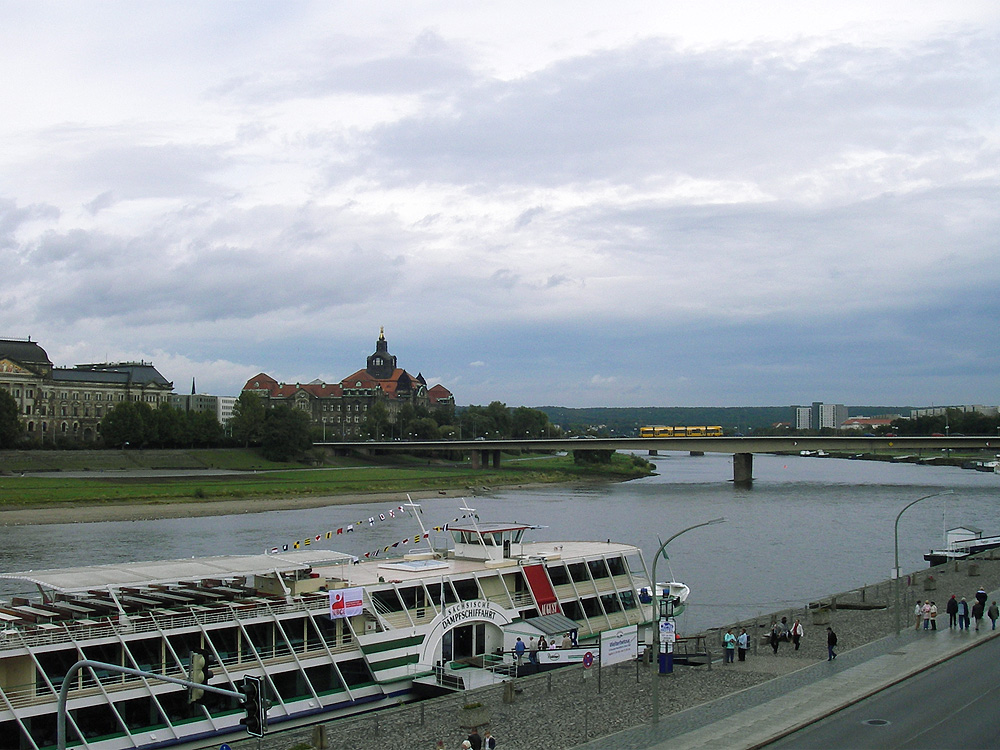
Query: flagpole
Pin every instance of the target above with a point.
(423, 531)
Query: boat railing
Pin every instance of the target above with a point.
(151, 621)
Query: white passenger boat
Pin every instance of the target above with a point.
(330, 634)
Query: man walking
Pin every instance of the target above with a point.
(952, 610)
(831, 641)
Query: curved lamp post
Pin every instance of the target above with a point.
(656, 614)
(895, 532)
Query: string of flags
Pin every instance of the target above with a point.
(416, 538)
(346, 529)
(371, 520)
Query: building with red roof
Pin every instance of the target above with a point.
(344, 409)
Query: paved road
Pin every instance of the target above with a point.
(950, 705)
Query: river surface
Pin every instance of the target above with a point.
(807, 528)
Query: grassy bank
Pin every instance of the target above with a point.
(257, 478)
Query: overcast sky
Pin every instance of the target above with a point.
(563, 203)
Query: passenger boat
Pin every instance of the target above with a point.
(330, 634)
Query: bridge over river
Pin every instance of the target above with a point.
(487, 452)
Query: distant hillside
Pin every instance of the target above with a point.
(626, 421)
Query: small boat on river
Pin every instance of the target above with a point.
(329, 633)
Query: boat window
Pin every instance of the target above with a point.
(434, 590)
(517, 536)
(324, 679)
(466, 588)
(56, 664)
(590, 607)
(386, 601)
(611, 603)
(226, 643)
(289, 685)
(573, 610)
(355, 673)
(628, 599)
(410, 596)
(147, 654)
(597, 568)
(260, 636)
(558, 574)
(137, 715)
(616, 565)
(578, 571)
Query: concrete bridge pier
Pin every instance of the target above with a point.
(743, 469)
(481, 459)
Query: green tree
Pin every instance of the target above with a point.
(204, 428)
(424, 428)
(377, 423)
(10, 424)
(500, 415)
(527, 422)
(285, 433)
(247, 422)
(128, 423)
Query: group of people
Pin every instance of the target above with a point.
(476, 742)
(533, 647)
(958, 611)
(780, 631)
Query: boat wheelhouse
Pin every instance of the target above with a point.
(330, 634)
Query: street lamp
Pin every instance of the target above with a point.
(661, 668)
(895, 532)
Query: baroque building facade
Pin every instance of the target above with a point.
(69, 402)
(344, 409)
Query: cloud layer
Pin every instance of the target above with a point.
(652, 210)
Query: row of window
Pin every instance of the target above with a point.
(85, 396)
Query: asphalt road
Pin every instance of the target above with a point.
(952, 705)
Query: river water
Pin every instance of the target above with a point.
(808, 527)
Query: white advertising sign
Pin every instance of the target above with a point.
(619, 645)
(346, 602)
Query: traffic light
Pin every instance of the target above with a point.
(199, 672)
(255, 703)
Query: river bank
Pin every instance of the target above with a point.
(195, 508)
(568, 707)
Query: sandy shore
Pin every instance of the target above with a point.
(92, 513)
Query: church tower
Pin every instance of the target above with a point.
(381, 364)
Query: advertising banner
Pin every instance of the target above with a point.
(346, 603)
(621, 644)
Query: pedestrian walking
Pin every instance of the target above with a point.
(952, 609)
(993, 613)
(532, 651)
(918, 612)
(977, 613)
(475, 741)
(775, 637)
(729, 641)
(934, 613)
(519, 650)
(963, 614)
(797, 632)
(489, 743)
(831, 642)
(742, 642)
(981, 597)
(925, 614)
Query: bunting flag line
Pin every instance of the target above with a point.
(372, 520)
(345, 529)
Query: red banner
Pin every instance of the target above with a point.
(541, 589)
